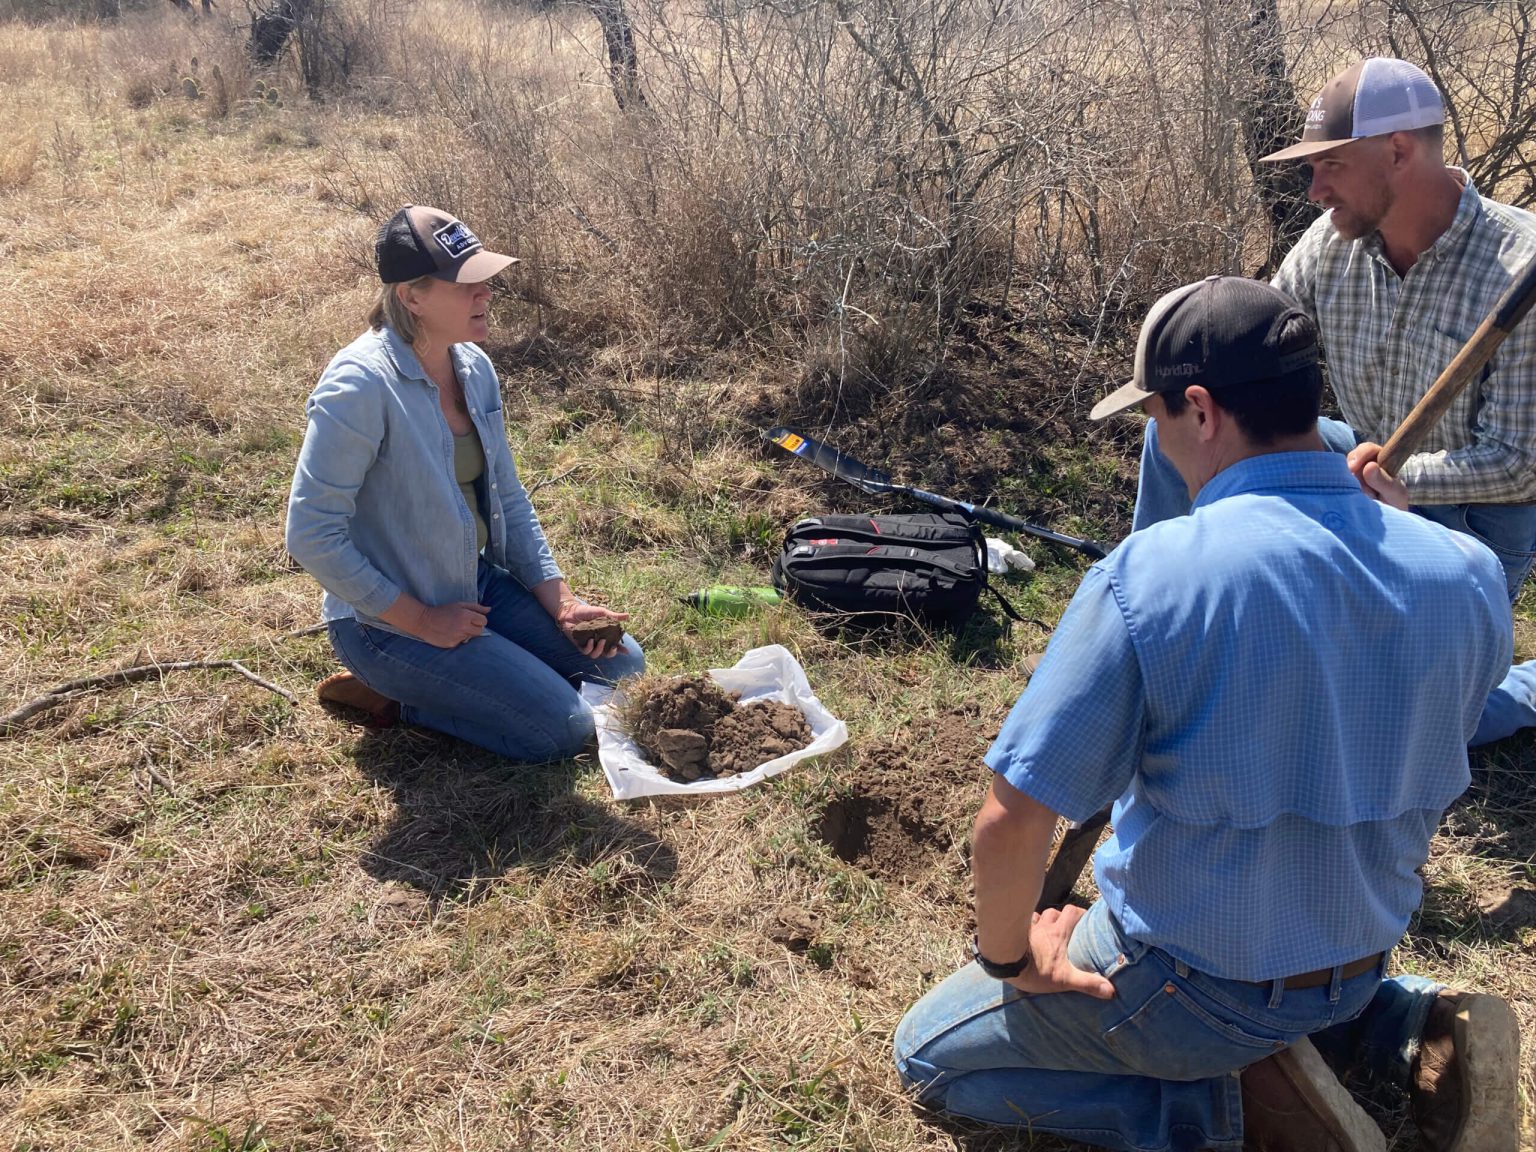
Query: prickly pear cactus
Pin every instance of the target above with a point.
(190, 88)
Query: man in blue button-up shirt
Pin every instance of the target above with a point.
(1275, 792)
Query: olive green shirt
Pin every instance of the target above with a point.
(468, 467)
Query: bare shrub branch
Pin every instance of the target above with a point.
(63, 693)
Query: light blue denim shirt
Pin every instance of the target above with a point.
(375, 511)
(1279, 689)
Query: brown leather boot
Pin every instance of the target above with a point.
(348, 691)
(1292, 1102)
(1464, 1091)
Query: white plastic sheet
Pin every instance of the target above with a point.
(769, 673)
(1003, 557)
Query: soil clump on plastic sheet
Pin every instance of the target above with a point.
(692, 729)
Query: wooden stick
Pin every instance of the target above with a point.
(307, 631)
(537, 484)
(68, 690)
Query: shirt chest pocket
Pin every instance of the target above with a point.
(1426, 356)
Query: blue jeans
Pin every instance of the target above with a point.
(1154, 1068)
(512, 689)
(1508, 529)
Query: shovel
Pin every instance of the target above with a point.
(872, 480)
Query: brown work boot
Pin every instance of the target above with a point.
(1464, 1090)
(1292, 1102)
(348, 691)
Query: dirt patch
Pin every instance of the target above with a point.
(795, 928)
(908, 809)
(1508, 911)
(691, 728)
(888, 834)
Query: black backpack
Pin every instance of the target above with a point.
(929, 566)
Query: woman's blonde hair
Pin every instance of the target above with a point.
(390, 311)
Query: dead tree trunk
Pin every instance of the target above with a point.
(1272, 119)
(271, 28)
(623, 65)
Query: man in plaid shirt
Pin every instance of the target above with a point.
(1398, 274)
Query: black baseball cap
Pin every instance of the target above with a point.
(419, 241)
(1373, 97)
(1217, 332)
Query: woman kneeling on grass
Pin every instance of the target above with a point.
(441, 594)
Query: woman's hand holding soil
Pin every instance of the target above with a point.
(597, 631)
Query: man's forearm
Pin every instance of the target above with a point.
(1476, 474)
(1010, 846)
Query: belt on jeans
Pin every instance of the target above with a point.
(1325, 975)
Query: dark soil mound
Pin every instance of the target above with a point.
(690, 727)
(657, 703)
(756, 732)
(908, 805)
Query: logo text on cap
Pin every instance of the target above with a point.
(456, 239)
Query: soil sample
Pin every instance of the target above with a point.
(691, 728)
(610, 632)
(755, 732)
(672, 718)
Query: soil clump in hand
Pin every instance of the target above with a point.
(693, 729)
(609, 632)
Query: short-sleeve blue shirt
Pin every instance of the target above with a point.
(1278, 688)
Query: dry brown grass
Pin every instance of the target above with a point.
(227, 922)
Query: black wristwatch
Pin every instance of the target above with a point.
(999, 971)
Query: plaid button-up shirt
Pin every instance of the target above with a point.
(1387, 337)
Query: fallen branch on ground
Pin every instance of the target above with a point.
(62, 693)
(308, 631)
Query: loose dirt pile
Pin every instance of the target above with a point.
(692, 729)
(906, 812)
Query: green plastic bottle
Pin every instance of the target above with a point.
(731, 599)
